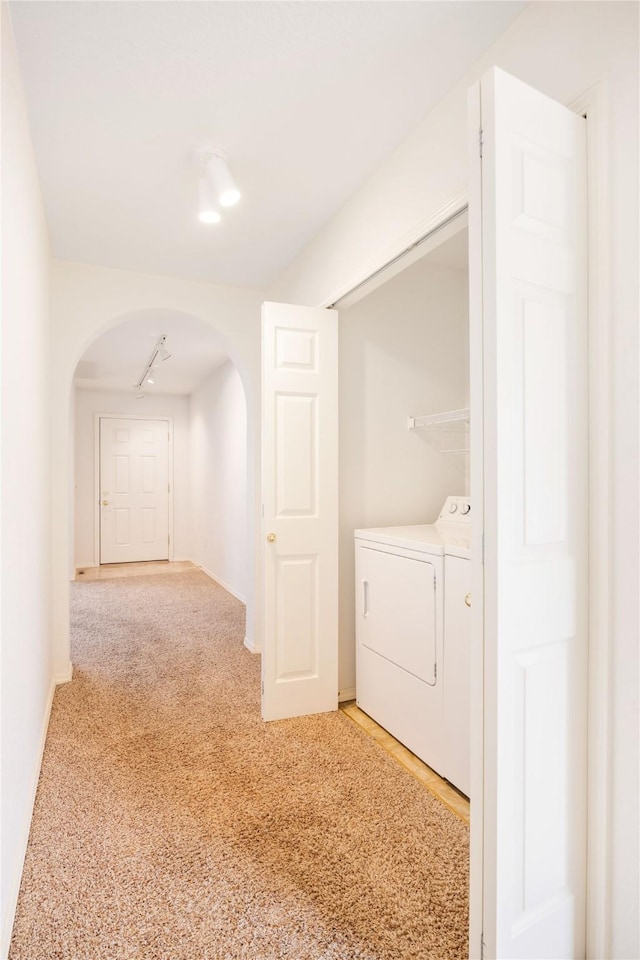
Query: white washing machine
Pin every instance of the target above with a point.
(402, 656)
(457, 641)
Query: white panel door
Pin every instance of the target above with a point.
(134, 490)
(528, 220)
(300, 504)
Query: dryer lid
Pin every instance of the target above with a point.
(424, 538)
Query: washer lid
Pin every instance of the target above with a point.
(455, 540)
(424, 538)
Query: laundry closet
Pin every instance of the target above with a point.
(405, 509)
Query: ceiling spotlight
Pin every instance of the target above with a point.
(220, 186)
(221, 180)
(207, 212)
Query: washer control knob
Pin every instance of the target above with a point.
(466, 508)
(453, 507)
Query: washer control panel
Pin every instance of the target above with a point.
(456, 510)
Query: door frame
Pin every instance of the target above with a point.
(97, 417)
(593, 104)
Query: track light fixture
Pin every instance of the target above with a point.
(216, 185)
(159, 350)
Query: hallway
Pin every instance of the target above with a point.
(171, 823)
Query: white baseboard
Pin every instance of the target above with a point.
(251, 646)
(221, 583)
(349, 693)
(10, 912)
(65, 675)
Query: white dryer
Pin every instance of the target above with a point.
(401, 646)
(399, 634)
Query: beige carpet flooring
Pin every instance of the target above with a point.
(171, 823)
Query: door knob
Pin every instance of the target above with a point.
(467, 599)
(105, 503)
(271, 537)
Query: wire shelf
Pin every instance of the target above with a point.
(448, 431)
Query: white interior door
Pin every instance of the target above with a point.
(528, 221)
(134, 490)
(300, 510)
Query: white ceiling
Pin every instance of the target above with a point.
(117, 359)
(307, 98)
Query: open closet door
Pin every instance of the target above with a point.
(300, 510)
(529, 460)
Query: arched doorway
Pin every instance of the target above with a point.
(204, 340)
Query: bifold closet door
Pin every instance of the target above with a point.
(300, 510)
(529, 461)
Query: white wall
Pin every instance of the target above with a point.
(404, 350)
(26, 481)
(87, 301)
(87, 404)
(562, 49)
(218, 459)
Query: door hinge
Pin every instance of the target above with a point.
(482, 946)
(262, 687)
(480, 141)
(168, 488)
(435, 671)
